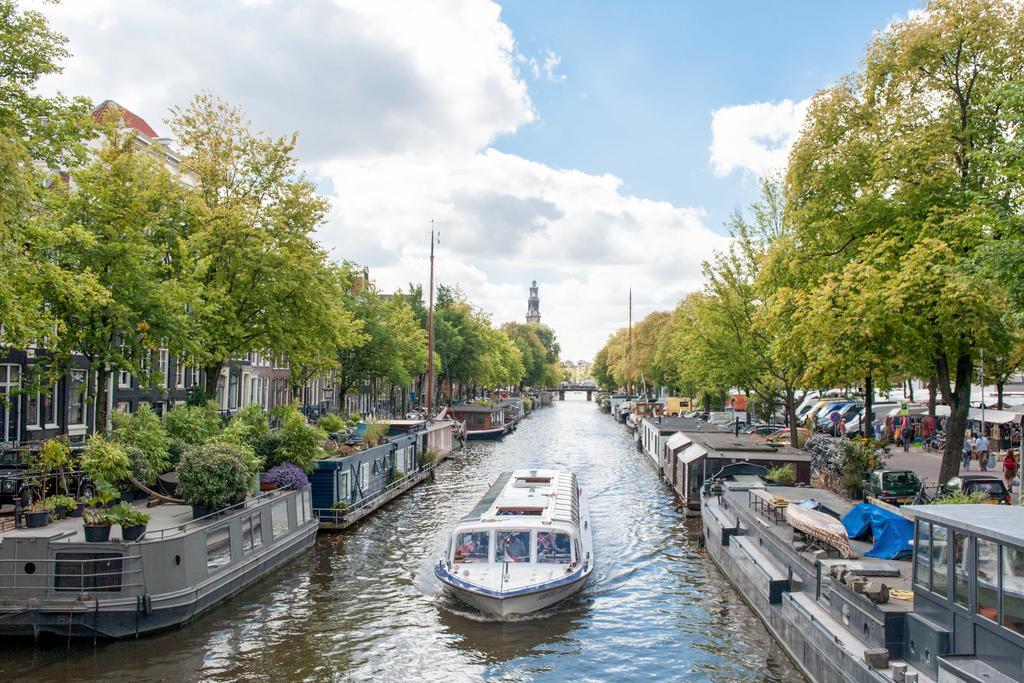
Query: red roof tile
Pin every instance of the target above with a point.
(131, 119)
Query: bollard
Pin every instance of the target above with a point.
(910, 677)
(899, 672)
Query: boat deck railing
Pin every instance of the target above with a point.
(206, 520)
(69, 578)
(336, 516)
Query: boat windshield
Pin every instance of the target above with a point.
(472, 546)
(553, 548)
(513, 546)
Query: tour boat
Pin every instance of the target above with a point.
(525, 545)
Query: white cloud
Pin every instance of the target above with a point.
(755, 137)
(397, 105)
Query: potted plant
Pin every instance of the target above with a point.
(105, 461)
(82, 503)
(96, 524)
(62, 506)
(38, 515)
(133, 522)
(286, 475)
(214, 476)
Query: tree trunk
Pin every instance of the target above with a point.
(212, 371)
(867, 425)
(932, 390)
(794, 434)
(910, 389)
(959, 399)
(100, 401)
(999, 395)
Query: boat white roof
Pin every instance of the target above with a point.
(529, 496)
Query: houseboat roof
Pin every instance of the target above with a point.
(543, 495)
(1000, 522)
(476, 408)
(668, 425)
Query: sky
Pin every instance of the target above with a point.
(594, 147)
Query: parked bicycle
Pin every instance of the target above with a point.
(934, 442)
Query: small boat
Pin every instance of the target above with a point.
(483, 421)
(525, 545)
(819, 526)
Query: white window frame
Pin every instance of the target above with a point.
(80, 397)
(163, 367)
(179, 373)
(194, 377)
(55, 405)
(34, 415)
(124, 379)
(13, 404)
(344, 492)
(364, 475)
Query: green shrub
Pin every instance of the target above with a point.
(252, 421)
(127, 516)
(960, 498)
(300, 443)
(332, 423)
(430, 457)
(783, 475)
(375, 433)
(146, 442)
(105, 461)
(215, 475)
(175, 450)
(66, 503)
(193, 424)
(268, 449)
(340, 506)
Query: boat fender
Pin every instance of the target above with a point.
(147, 604)
(585, 523)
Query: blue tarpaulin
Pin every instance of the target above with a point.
(892, 534)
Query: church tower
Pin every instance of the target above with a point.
(533, 305)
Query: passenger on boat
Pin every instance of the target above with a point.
(472, 547)
(514, 546)
(553, 547)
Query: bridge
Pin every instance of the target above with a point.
(561, 391)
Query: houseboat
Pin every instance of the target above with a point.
(525, 545)
(640, 410)
(654, 432)
(55, 582)
(688, 459)
(350, 484)
(482, 421)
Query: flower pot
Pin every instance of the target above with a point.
(267, 486)
(59, 513)
(77, 512)
(36, 520)
(133, 533)
(96, 534)
(200, 511)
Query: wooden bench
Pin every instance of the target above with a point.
(766, 503)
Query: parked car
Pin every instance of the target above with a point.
(721, 418)
(763, 429)
(895, 487)
(15, 477)
(988, 484)
(824, 419)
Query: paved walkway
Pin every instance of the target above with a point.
(926, 465)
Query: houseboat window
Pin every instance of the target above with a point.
(279, 518)
(940, 569)
(513, 546)
(87, 571)
(1013, 588)
(986, 564)
(344, 487)
(307, 513)
(252, 532)
(961, 580)
(553, 548)
(922, 552)
(472, 546)
(218, 549)
(364, 477)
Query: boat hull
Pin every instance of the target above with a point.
(486, 434)
(512, 603)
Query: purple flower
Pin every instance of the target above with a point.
(287, 475)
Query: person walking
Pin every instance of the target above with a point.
(906, 433)
(842, 427)
(981, 448)
(1009, 470)
(968, 452)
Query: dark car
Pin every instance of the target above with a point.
(895, 487)
(762, 429)
(16, 477)
(992, 486)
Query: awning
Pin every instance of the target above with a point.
(692, 452)
(999, 417)
(918, 410)
(678, 441)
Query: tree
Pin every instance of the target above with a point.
(262, 282)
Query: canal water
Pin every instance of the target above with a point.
(364, 604)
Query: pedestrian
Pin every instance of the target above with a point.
(968, 452)
(842, 427)
(906, 433)
(878, 431)
(1009, 470)
(981, 447)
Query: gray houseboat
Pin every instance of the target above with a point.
(53, 581)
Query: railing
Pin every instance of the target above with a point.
(40, 576)
(335, 516)
(226, 513)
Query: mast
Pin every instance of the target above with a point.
(430, 332)
(629, 343)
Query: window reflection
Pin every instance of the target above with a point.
(553, 548)
(1013, 589)
(921, 554)
(940, 571)
(961, 578)
(986, 568)
(472, 546)
(513, 546)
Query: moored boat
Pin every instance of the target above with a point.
(483, 421)
(525, 545)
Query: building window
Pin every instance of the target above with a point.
(179, 373)
(124, 379)
(48, 407)
(32, 416)
(194, 372)
(1013, 589)
(163, 366)
(76, 405)
(10, 382)
(986, 563)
